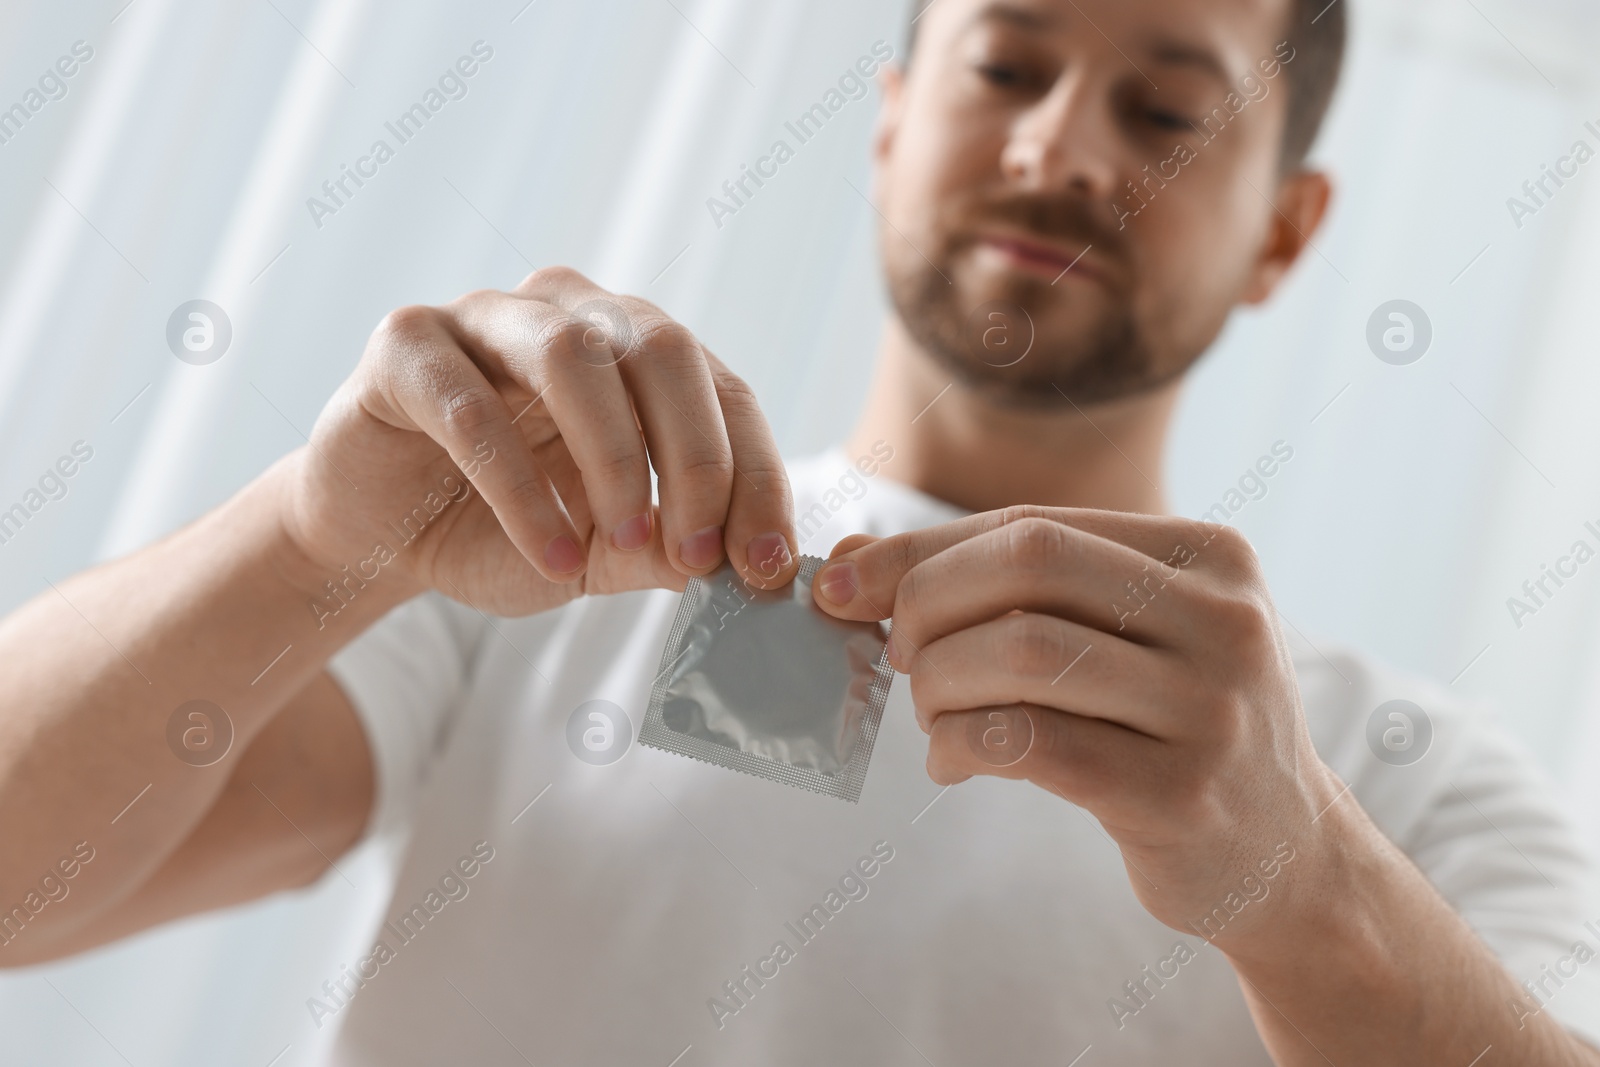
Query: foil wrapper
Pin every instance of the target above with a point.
(765, 682)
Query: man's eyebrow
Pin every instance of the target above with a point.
(1026, 18)
(1163, 51)
(1170, 53)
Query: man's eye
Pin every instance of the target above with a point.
(1002, 75)
(1168, 120)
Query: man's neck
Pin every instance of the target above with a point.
(960, 447)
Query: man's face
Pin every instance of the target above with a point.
(1135, 141)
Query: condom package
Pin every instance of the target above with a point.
(765, 682)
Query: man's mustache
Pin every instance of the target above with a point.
(1062, 219)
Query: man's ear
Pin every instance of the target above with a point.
(892, 83)
(1301, 202)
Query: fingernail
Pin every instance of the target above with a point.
(768, 554)
(702, 548)
(562, 555)
(897, 649)
(838, 582)
(633, 534)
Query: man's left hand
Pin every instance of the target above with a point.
(1132, 664)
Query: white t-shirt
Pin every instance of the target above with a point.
(632, 913)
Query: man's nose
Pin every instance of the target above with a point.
(1064, 143)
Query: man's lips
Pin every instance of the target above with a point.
(1045, 259)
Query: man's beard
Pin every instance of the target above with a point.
(994, 347)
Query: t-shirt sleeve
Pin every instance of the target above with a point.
(1497, 845)
(406, 677)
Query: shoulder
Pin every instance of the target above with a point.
(1429, 766)
(1395, 736)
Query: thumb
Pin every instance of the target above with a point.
(837, 585)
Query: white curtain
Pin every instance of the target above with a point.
(178, 166)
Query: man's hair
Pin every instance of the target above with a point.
(1316, 32)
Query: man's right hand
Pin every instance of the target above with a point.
(554, 400)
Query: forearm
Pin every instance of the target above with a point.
(1366, 963)
(219, 611)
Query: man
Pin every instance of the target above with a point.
(1207, 862)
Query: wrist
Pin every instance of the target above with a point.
(338, 594)
(1332, 908)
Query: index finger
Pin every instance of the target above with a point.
(760, 528)
(694, 412)
(861, 583)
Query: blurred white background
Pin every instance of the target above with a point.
(179, 163)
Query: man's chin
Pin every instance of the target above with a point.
(1027, 291)
(1009, 337)
(1007, 356)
